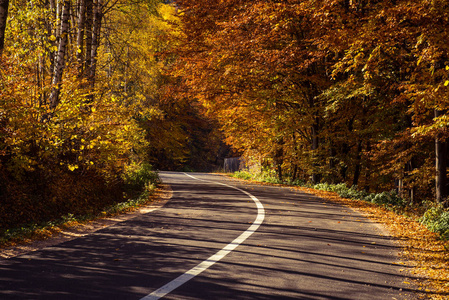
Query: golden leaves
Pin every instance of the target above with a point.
(72, 167)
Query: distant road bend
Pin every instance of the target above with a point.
(219, 239)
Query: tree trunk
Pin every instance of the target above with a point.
(294, 161)
(344, 167)
(96, 29)
(4, 5)
(279, 158)
(441, 166)
(88, 30)
(410, 166)
(367, 169)
(41, 81)
(345, 149)
(279, 172)
(358, 166)
(295, 172)
(315, 143)
(332, 162)
(80, 36)
(108, 48)
(53, 30)
(58, 17)
(60, 58)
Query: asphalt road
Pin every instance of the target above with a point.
(306, 248)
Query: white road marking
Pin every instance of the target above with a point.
(172, 285)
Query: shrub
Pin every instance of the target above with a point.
(352, 193)
(342, 190)
(140, 177)
(436, 219)
(267, 176)
(298, 182)
(388, 198)
(243, 175)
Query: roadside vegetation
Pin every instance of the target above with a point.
(139, 185)
(84, 115)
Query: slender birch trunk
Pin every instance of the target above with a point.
(88, 30)
(60, 57)
(53, 32)
(58, 18)
(80, 36)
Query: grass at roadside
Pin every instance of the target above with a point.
(424, 250)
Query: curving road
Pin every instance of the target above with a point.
(289, 246)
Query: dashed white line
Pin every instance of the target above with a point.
(177, 282)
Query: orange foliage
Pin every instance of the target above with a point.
(326, 83)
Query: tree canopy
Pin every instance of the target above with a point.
(340, 91)
(81, 103)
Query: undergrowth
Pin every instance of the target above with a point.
(140, 182)
(436, 219)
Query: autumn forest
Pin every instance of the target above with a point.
(95, 92)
